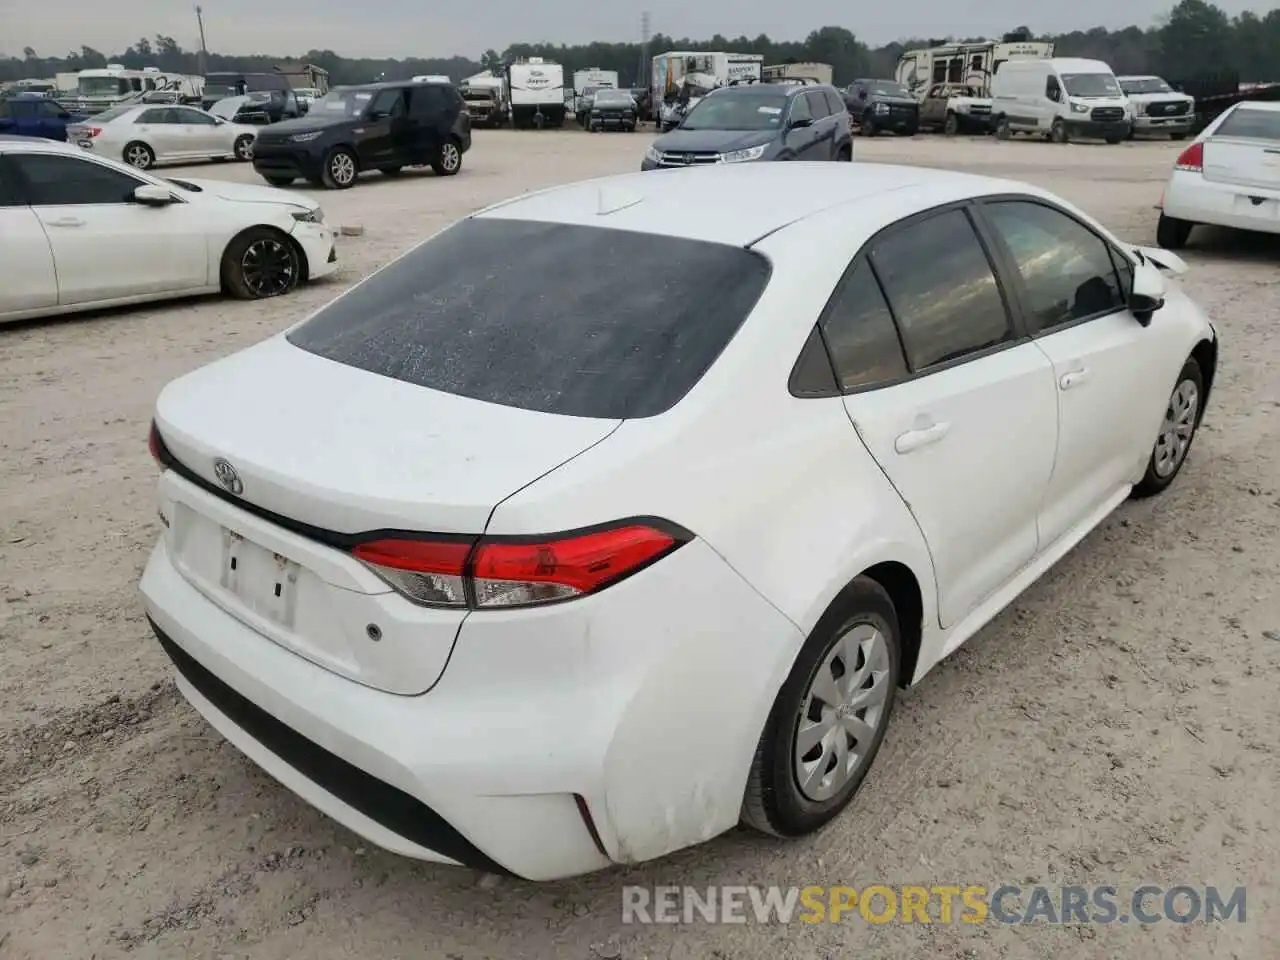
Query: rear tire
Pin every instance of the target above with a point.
(1177, 432)
(449, 162)
(137, 154)
(868, 126)
(243, 148)
(1177, 136)
(844, 154)
(808, 734)
(1172, 233)
(278, 181)
(260, 263)
(1113, 140)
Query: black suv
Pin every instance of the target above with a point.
(759, 121)
(377, 126)
(877, 105)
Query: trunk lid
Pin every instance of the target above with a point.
(332, 447)
(1243, 162)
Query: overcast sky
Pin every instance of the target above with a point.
(402, 28)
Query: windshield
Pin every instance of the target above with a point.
(1146, 85)
(343, 103)
(729, 111)
(102, 86)
(527, 314)
(1251, 123)
(885, 88)
(107, 115)
(612, 96)
(1091, 85)
(222, 90)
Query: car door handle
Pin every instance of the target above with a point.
(1074, 378)
(64, 222)
(921, 436)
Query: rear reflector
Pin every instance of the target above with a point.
(1191, 159)
(504, 572)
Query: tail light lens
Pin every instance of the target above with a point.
(504, 572)
(1191, 159)
(88, 131)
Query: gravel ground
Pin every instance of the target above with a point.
(1113, 727)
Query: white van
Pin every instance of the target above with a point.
(1059, 98)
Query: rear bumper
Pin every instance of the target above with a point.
(1189, 196)
(642, 706)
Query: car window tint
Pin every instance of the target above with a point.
(153, 116)
(57, 180)
(5, 112)
(530, 314)
(194, 117)
(388, 102)
(1250, 123)
(24, 108)
(941, 288)
(860, 333)
(50, 109)
(424, 101)
(10, 195)
(1066, 269)
(800, 109)
(834, 102)
(817, 105)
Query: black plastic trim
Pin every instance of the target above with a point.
(388, 806)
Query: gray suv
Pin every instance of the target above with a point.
(757, 121)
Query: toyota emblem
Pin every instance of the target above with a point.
(227, 476)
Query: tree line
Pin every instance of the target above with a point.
(1195, 39)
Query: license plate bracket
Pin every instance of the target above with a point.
(264, 581)
(87, 144)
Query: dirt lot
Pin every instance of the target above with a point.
(1119, 725)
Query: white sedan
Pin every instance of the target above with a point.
(143, 135)
(1229, 176)
(78, 232)
(528, 572)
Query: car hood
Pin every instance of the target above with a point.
(894, 101)
(718, 141)
(308, 124)
(248, 193)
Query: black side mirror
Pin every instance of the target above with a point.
(64, 116)
(1144, 306)
(862, 94)
(800, 122)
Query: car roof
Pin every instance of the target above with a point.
(10, 144)
(391, 85)
(722, 203)
(1271, 106)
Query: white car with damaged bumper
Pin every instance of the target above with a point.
(80, 232)
(498, 567)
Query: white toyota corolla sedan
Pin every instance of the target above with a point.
(503, 560)
(79, 232)
(1229, 176)
(143, 135)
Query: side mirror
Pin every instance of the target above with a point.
(1147, 295)
(862, 94)
(150, 195)
(800, 122)
(64, 116)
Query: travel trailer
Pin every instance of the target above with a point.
(971, 64)
(681, 78)
(536, 88)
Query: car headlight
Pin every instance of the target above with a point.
(309, 216)
(1079, 107)
(741, 156)
(654, 154)
(881, 108)
(305, 137)
(961, 108)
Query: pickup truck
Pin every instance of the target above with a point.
(35, 115)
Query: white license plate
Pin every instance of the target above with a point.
(87, 144)
(264, 581)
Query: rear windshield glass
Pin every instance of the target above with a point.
(557, 318)
(1254, 124)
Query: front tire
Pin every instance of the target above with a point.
(450, 160)
(278, 181)
(952, 125)
(243, 148)
(1177, 432)
(829, 718)
(1058, 131)
(868, 126)
(340, 169)
(1175, 137)
(1172, 233)
(260, 263)
(1002, 128)
(138, 154)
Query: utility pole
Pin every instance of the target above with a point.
(204, 51)
(642, 72)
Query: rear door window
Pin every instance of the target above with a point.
(1251, 124)
(547, 317)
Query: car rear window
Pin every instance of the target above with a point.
(1253, 124)
(558, 318)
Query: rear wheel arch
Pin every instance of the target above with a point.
(903, 587)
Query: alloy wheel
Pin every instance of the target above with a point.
(450, 157)
(843, 710)
(1178, 428)
(342, 168)
(269, 267)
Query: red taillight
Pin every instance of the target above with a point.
(512, 572)
(1191, 159)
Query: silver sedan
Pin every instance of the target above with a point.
(144, 135)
